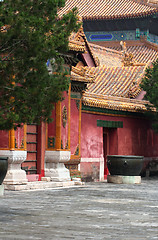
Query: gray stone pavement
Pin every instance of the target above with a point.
(94, 211)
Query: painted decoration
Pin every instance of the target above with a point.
(64, 116)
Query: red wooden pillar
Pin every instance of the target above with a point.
(41, 146)
(12, 139)
(58, 126)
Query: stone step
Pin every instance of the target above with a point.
(41, 185)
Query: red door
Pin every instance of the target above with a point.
(30, 165)
(105, 150)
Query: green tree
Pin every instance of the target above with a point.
(31, 34)
(150, 85)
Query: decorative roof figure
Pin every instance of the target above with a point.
(128, 58)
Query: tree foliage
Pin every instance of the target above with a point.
(30, 35)
(150, 85)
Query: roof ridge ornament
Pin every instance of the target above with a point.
(128, 58)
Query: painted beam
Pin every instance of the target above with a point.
(109, 124)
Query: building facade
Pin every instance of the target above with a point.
(103, 112)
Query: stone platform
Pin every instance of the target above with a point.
(94, 211)
(1, 190)
(39, 185)
(118, 179)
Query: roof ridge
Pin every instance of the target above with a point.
(97, 9)
(147, 43)
(92, 45)
(143, 3)
(118, 67)
(110, 97)
(96, 60)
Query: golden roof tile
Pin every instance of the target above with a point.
(108, 9)
(82, 74)
(116, 81)
(77, 41)
(143, 51)
(76, 46)
(115, 103)
(115, 88)
(107, 56)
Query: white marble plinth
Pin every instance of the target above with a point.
(54, 165)
(1, 190)
(118, 179)
(15, 175)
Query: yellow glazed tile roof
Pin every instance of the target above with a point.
(77, 41)
(115, 88)
(117, 81)
(142, 53)
(115, 103)
(108, 9)
(82, 74)
(107, 56)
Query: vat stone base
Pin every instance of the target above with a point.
(1, 190)
(118, 179)
(15, 175)
(55, 168)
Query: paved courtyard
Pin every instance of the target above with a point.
(94, 211)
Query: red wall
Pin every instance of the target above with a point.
(4, 139)
(64, 130)
(135, 138)
(91, 137)
(74, 133)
